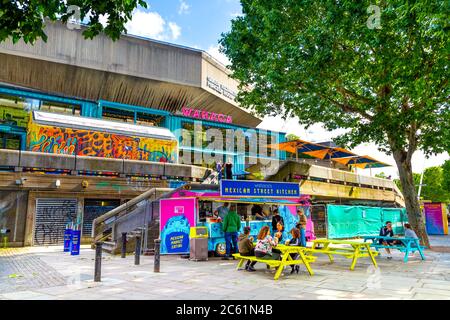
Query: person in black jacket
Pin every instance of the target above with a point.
(295, 241)
(275, 219)
(228, 170)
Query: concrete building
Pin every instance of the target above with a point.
(86, 125)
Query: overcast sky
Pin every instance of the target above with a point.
(199, 24)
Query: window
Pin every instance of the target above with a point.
(117, 114)
(135, 117)
(9, 141)
(62, 108)
(13, 111)
(149, 119)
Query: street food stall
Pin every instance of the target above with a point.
(195, 208)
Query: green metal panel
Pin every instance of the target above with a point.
(358, 221)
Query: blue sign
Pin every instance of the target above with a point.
(244, 188)
(67, 239)
(75, 243)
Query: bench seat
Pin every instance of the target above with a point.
(272, 263)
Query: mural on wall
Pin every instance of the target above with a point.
(49, 139)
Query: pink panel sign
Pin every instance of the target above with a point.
(177, 216)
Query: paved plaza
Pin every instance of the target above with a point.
(48, 273)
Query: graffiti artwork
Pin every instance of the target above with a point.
(50, 139)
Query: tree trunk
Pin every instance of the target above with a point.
(415, 216)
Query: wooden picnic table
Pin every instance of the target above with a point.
(353, 250)
(408, 245)
(286, 259)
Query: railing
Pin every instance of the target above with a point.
(26, 159)
(109, 219)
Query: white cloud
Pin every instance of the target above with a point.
(183, 8)
(317, 133)
(214, 51)
(152, 25)
(175, 30)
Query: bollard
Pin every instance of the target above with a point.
(98, 261)
(137, 253)
(124, 244)
(157, 255)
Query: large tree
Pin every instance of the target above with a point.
(25, 19)
(381, 72)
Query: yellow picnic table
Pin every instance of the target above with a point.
(286, 259)
(347, 248)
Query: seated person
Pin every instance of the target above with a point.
(279, 231)
(295, 241)
(264, 247)
(246, 248)
(387, 231)
(409, 232)
(275, 219)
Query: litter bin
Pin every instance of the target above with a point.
(4, 236)
(198, 237)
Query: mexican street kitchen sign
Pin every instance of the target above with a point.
(245, 188)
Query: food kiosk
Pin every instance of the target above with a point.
(190, 208)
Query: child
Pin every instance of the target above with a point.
(246, 248)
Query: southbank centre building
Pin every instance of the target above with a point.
(88, 125)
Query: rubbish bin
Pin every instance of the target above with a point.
(4, 236)
(198, 237)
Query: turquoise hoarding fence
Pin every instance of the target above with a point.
(358, 221)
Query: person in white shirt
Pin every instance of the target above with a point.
(409, 232)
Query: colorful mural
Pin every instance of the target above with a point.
(49, 139)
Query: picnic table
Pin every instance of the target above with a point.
(286, 259)
(408, 245)
(346, 248)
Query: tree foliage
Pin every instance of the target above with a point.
(446, 176)
(319, 60)
(433, 185)
(328, 62)
(26, 19)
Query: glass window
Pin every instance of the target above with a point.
(56, 107)
(13, 111)
(9, 141)
(149, 119)
(117, 114)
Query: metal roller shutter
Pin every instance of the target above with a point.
(52, 215)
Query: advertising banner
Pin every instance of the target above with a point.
(75, 243)
(243, 188)
(67, 237)
(436, 218)
(177, 216)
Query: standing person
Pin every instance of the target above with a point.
(275, 219)
(229, 170)
(301, 225)
(219, 169)
(230, 226)
(246, 248)
(387, 231)
(222, 211)
(264, 247)
(257, 212)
